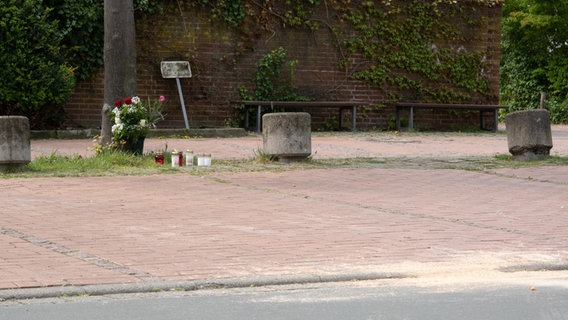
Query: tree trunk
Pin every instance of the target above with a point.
(119, 58)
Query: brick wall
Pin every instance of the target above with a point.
(219, 70)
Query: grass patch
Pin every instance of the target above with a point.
(508, 161)
(105, 163)
(117, 163)
(264, 158)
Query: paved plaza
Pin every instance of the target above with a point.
(81, 231)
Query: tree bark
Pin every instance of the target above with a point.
(119, 58)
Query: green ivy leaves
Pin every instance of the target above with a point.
(399, 39)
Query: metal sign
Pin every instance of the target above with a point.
(175, 69)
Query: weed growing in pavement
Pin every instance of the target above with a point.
(262, 157)
(117, 163)
(508, 161)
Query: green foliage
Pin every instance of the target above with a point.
(299, 12)
(399, 41)
(147, 6)
(134, 118)
(35, 79)
(404, 42)
(269, 83)
(535, 55)
(80, 23)
(558, 110)
(232, 11)
(109, 162)
(263, 157)
(47, 44)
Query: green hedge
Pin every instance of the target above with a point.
(36, 81)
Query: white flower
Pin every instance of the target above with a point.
(143, 122)
(117, 127)
(135, 100)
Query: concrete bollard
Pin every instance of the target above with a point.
(528, 134)
(287, 135)
(14, 142)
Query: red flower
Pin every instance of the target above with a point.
(128, 100)
(118, 103)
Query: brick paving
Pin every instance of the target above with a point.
(135, 229)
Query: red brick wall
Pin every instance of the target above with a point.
(218, 71)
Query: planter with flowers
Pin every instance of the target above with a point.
(131, 120)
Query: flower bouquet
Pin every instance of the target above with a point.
(131, 120)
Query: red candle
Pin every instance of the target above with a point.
(159, 158)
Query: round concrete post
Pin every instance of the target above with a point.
(14, 142)
(528, 134)
(287, 135)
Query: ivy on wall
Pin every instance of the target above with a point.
(270, 84)
(401, 45)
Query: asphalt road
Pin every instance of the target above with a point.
(531, 298)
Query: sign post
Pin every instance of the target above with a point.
(177, 70)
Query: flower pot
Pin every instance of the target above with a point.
(134, 145)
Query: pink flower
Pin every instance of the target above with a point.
(118, 103)
(128, 100)
(162, 99)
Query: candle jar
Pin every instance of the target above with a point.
(175, 159)
(159, 158)
(189, 158)
(204, 160)
(208, 160)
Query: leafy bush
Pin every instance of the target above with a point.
(558, 110)
(534, 55)
(81, 26)
(35, 79)
(80, 23)
(270, 84)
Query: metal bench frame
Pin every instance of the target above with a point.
(483, 108)
(341, 105)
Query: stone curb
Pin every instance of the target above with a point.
(159, 286)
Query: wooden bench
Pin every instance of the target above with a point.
(483, 108)
(341, 105)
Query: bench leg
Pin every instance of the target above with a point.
(258, 119)
(398, 118)
(340, 119)
(411, 119)
(353, 118)
(495, 120)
